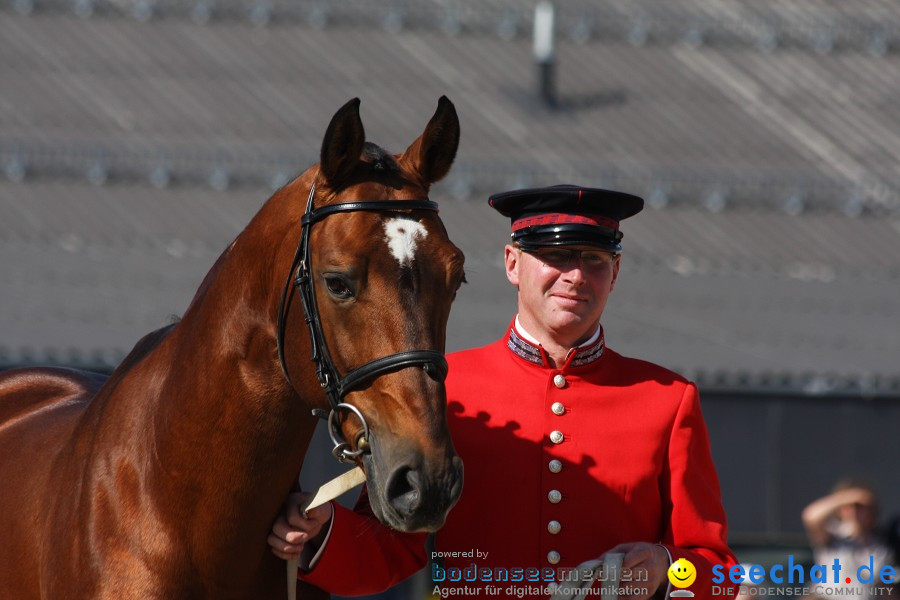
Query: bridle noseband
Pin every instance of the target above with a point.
(336, 386)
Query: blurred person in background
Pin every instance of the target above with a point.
(844, 525)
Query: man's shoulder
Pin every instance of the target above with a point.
(477, 356)
(658, 388)
(626, 366)
(482, 368)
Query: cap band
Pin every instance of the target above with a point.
(564, 219)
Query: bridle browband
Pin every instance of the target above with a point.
(334, 385)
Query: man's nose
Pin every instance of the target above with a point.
(574, 269)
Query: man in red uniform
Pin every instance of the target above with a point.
(570, 449)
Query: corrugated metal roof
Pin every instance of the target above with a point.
(115, 97)
(822, 25)
(134, 151)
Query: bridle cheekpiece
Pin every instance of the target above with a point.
(335, 385)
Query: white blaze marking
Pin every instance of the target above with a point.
(401, 236)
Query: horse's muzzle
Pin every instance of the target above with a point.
(418, 499)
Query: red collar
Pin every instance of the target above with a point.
(577, 357)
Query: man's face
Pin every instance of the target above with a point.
(862, 518)
(561, 298)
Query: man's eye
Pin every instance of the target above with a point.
(556, 256)
(338, 288)
(596, 258)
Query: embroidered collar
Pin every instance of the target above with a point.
(523, 347)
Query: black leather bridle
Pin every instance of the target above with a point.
(335, 385)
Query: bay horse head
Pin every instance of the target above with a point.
(375, 275)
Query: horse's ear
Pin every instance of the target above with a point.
(432, 154)
(343, 143)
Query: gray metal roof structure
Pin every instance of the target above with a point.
(138, 137)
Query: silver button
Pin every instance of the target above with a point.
(559, 381)
(554, 496)
(557, 437)
(555, 466)
(553, 557)
(558, 408)
(554, 527)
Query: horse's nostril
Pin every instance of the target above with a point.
(404, 490)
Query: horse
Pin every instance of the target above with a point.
(163, 480)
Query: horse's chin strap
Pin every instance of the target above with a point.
(334, 385)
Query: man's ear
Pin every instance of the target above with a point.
(511, 258)
(615, 274)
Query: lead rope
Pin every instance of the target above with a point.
(325, 493)
(610, 566)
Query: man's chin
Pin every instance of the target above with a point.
(576, 326)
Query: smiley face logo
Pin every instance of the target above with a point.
(682, 573)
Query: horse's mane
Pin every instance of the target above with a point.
(143, 348)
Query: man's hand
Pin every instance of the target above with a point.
(643, 557)
(292, 532)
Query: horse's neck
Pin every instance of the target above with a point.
(225, 434)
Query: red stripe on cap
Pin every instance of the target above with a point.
(564, 219)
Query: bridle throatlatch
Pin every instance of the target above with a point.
(335, 385)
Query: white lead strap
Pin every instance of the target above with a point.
(325, 493)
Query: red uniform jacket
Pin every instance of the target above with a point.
(560, 466)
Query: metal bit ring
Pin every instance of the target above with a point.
(341, 448)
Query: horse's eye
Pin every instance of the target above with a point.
(337, 287)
